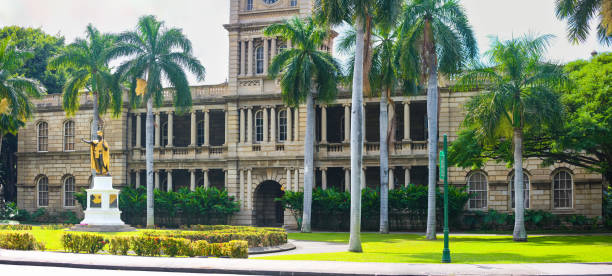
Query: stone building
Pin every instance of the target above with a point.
(240, 136)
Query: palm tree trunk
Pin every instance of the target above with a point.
(356, 140)
(384, 165)
(149, 162)
(432, 134)
(519, 195)
(308, 163)
(95, 119)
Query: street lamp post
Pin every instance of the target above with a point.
(446, 258)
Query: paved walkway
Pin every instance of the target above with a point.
(270, 267)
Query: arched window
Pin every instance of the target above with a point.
(249, 5)
(259, 126)
(526, 186)
(164, 134)
(477, 185)
(562, 189)
(43, 136)
(69, 135)
(259, 58)
(69, 191)
(42, 186)
(201, 132)
(282, 125)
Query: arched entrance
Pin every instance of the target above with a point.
(268, 212)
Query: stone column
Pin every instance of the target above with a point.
(242, 115)
(289, 124)
(250, 126)
(225, 178)
(129, 130)
(265, 124)
(363, 123)
(363, 176)
(347, 123)
(169, 181)
(289, 179)
(192, 184)
(273, 54)
(296, 180)
(272, 124)
(157, 130)
(242, 57)
(289, 44)
(170, 128)
(406, 121)
(391, 179)
(407, 176)
(347, 179)
(193, 129)
(324, 178)
(156, 176)
(138, 131)
(323, 124)
(265, 49)
(137, 178)
(205, 177)
(206, 127)
(250, 58)
(241, 191)
(296, 128)
(249, 188)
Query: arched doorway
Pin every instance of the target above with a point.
(268, 212)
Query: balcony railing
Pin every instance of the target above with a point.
(171, 153)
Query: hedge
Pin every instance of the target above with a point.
(16, 227)
(20, 241)
(255, 237)
(77, 242)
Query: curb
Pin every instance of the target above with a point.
(271, 249)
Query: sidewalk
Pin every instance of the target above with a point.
(269, 267)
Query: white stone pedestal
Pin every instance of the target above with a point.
(102, 212)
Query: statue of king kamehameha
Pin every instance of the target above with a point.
(100, 156)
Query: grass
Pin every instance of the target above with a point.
(412, 248)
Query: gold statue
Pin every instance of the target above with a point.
(100, 156)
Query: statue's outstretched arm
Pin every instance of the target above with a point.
(86, 141)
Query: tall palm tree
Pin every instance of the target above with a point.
(447, 41)
(305, 71)
(156, 54)
(579, 14)
(89, 61)
(521, 95)
(360, 14)
(15, 90)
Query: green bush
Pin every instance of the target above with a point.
(199, 248)
(119, 245)
(218, 250)
(79, 242)
(8, 211)
(55, 226)
(254, 236)
(238, 249)
(20, 241)
(175, 246)
(16, 227)
(146, 245)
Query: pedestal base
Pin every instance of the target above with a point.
(102, 214)
(102, 228)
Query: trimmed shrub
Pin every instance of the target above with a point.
(89, 243)
(16, 227)
(175, 246)
(199, 248)
(238, 249)
(55, 226)
(119, 245)
(20, 241)
(146, 245)
(218, 250)
(255, 237)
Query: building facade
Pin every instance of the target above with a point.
(239, 136)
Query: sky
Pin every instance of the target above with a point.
(202, 22)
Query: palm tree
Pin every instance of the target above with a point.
(299, 69)
(520, 96)
(156, 54)
(89, 61)
(361, 14)
(447, 41)
(579, 14)
(15, 90)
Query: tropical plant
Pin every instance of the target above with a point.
(15, 90)
(156, 54)
(446, 43)
(88, 61)
(305, 70)
(579, 14)
(521, 96)
(362, 15)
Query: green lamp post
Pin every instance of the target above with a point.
(446, 258)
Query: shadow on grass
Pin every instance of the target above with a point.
(542, 240)
(490, 258)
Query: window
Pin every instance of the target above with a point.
(201, 128)
(293, 3)
(164, 134)
(477, 185)
(69, 135)
(269, 2)
(249, 5)
(281, 48)
(43, 136)
(562, 190)
(69, 191)
(282, 125)
(259, 126)
(43, 191)
(525, 189)
(259, 58)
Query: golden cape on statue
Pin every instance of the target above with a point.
(100, 155)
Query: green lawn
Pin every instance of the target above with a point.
(412, 248)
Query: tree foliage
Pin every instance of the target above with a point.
(580, 13)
